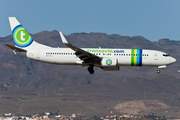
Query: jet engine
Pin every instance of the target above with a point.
(109, 62)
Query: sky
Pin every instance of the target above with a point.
(152, 19)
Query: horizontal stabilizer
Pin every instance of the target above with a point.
(15, 48)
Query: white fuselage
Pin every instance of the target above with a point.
(66, 56)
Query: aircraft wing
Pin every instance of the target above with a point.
(82, 54)
(15, 48)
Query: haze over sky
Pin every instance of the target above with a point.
(152, 19)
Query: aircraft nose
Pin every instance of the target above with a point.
(173, 60)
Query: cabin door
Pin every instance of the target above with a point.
(38, 55)
(155, 56)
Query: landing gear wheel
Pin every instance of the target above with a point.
(91, 70)
(158, 71)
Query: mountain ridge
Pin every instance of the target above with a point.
(70, 88)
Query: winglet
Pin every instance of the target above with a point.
(66, 42)
(63, 38)
(78, 50)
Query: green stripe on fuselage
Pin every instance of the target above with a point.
(132, 57)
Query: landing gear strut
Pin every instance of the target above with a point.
(90, 69)
(158, 71)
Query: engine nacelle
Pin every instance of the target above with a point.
(109, 62)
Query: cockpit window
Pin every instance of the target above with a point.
(166, 55)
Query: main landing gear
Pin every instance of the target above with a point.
(90, 69)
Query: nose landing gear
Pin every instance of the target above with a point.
(158, 71)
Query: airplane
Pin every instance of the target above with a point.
(106, 58)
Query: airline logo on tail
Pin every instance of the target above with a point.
(21, 37)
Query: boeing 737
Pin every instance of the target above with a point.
(107, 59)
